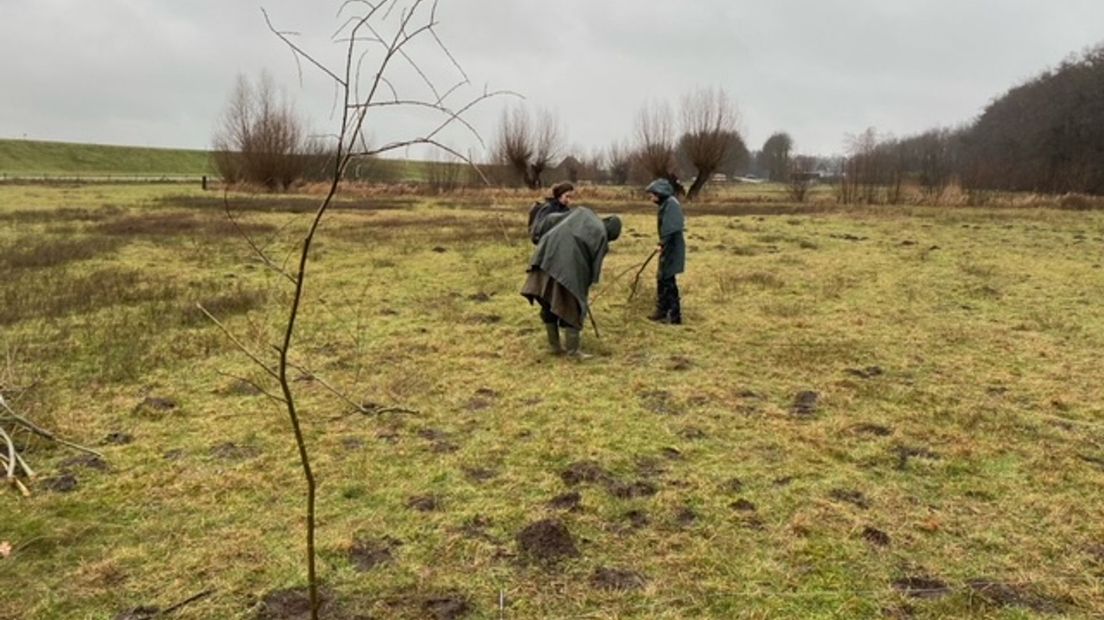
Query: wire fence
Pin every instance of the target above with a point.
(46, 178)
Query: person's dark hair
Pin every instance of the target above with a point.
(560, 189)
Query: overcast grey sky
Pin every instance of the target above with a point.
(158, 73)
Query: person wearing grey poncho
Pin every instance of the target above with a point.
(672, 252)
(566, 263)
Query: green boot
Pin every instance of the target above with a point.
(574, 347)
(553, 339)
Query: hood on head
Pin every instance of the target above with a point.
(661, 188)
(613, 227)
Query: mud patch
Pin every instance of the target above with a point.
(921, 587)
(905, 453)
(294, 604)
(547, 541)
(581, 472)
(366, 555)
(743, 505)
(692, 433)
(423, 503)
(1013, 595)
(632, 490)
(231, 451)
(733, 485)
(483, 399)
(850, 496)
(661, 402)
(876, 430)
(680, 364)
(352, 444)
(480, 298)
(805, 404)
(117, 439)
(571, 502)
(636, 519)
(876, 537)
(870, 372)
(439, 443)
(686, 517)
(617, 580)
(65, 483)
(446, 606)
(479, 475)
(84, 461)
(154, 405)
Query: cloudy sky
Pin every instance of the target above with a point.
(158, 72)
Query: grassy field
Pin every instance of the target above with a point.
(26, 157)
(876, 412)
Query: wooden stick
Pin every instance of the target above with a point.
(636, 280)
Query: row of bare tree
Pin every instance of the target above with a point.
(705, 140)
(1044, 136)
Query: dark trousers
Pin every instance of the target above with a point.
(667, 299)
(549, 318)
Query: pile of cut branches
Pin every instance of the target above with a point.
(12, 462)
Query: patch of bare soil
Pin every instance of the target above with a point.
(571, 502)
(294, 604)
(617, 580)
(366, 554)
(1002, 594)
(921, 587)
(850, 496)
(581, 472)
(876, 537)
(547, 541)
(805, 404)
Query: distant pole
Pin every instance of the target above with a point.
(204, 182)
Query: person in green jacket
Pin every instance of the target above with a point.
(567, 262)
(672, 251)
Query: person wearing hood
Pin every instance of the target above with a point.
(560, 202)
(567, 262)
(672, 251)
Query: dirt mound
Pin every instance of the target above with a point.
(423, 503)
(632, 490)
(875, 537)
(368, 554)
(850, 496)
(568, 501)
(921, 587)
(805, 403)
(547, 541)
(613, 579)
(584, 472)
(1013, 595)
(294, 604)
(446, 606)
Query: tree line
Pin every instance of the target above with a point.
(1045, 135)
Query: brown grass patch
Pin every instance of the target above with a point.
(177, 224)
(56, 293)
(41, 253)
(284, 204)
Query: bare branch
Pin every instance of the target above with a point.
(299, 51)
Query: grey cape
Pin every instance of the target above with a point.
(671, 224)
(571, 251)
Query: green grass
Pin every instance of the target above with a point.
(25, 157)
(971, 445)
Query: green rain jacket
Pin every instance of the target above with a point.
(571, 250)
(671, 224)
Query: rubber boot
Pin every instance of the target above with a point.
(574, 346)
(553, 339)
